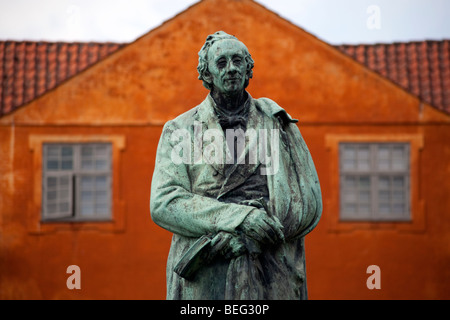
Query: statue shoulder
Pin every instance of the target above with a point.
(272, 109)
(184, 120)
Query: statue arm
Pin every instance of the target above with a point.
(309, 183)
(306, 208)
(175, 207)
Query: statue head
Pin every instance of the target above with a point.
(224, 63)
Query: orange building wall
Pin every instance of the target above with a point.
(126, 263)
(414, 258)
(134, 91)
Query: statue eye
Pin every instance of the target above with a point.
(237, 61)
(221, 63)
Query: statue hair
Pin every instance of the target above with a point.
(202, 67)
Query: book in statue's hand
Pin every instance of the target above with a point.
(195, 257)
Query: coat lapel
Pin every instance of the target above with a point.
(209, 121)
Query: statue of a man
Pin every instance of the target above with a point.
(236, 185)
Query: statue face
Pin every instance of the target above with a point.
(227, 67)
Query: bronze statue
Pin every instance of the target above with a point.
(236, 185)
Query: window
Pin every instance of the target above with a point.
(76, 182)
(374, 181)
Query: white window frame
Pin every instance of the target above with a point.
(373, 187)
(331, 190)
(73, 196)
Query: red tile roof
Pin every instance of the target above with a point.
(29, 69)
(422, 68)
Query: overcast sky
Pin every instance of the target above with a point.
(334, 21)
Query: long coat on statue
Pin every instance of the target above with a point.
(190, 197)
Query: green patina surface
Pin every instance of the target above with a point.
(238, 207)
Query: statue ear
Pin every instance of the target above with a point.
(207, 76)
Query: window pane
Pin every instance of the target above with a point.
(51, 195)
(95, 157)
(101, 196)
(87, 209)
(67, 164)
(349, 164)
(51, 208)
(383, 152)
(364, 182)
(350, 196)
(364, 196)
(51, 182)
(398, 182)
(383, 157)
(101, 150)
(398, 197)
(384, 182)
(63, 206)
(52, 151)
(86, 151)
(86, 196)
(94, 196)
(363, 165)
(87, 199)
(350, 182)
(66, 151)
(57, 197)
(64, 181)
(384, 196)
(64, 193)
(58, 157)
(348, 160)
(348, 151)
(100, 183)
(87, 183)
(398, 164)
(384, 164)
(363, 156)
(87, 164)
(101, 165)
(350, 208)
(398, 208)
(364, 208)
(52, 165)
(101, 208)
(363, 152)
(384, 208)
(398, 152)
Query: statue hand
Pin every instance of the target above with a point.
(228, 245)
(264, 229)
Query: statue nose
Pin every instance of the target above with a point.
(231, 67)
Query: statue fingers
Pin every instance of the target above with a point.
(257, 233)
(235, 248)
(220, 241)
(262, 228)
(266, 233)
